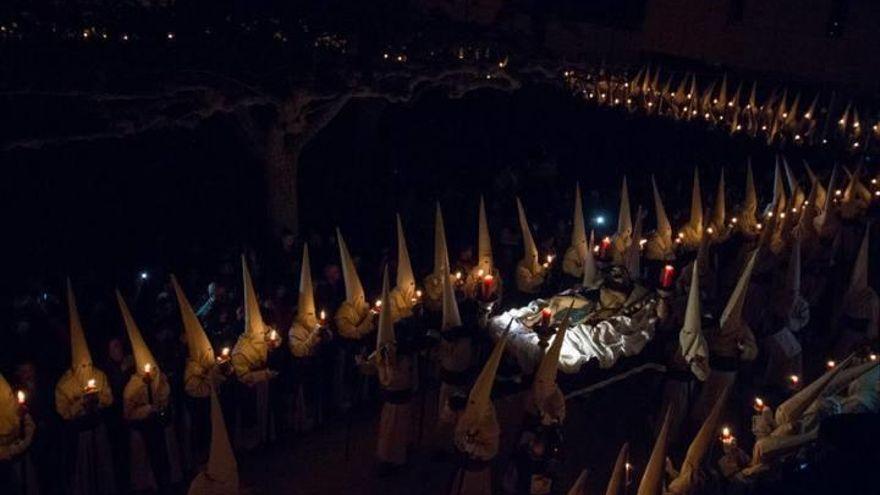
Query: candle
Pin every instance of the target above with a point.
(323, 317)
(458, 276)
(710, 230)
(273, 336)
(759, 405)
(148, 368)
(727, 437)
(546, 314)
(22, 411)
(224, 355)
(604, 247)
(377, 306)
(830, 364)
(629, 468)
(488, 285)
(667, 276)
(21, 397)
(872, 357)
(794, 380)
(91, 386)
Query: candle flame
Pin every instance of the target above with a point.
(91, 383)
(733, 220)
(457, 275)
(759, 403)
(418, 293)
(480, 272)
(148, 368)
(21, 396)
(725, 432)
(830, 364)
(323, 315)
(224, 352)
(794, 379)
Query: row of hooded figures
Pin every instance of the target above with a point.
(795, 225)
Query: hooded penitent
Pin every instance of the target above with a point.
(406, 281)
(479, 412)
(825, 222)
(692, 232)
(484, 243)
(735, 337)
(305, 307)
(200, 361)
(652, 478)
(691, 342)
(860, 303)
(143, 358)
(660, 246)
(624, 220)
(434, 280)
(253, 319)
(220, 476)
(12, 444)
(797, 193)
(198, 345)
(779, 197)
(451, 316)
(548, 398)
(591, 278)
(580, 485)
(354, 291)
(719, 211)
(817, 185)
(385, 335)
(618, 474)
(353, 317)
(574, 255)
(71, 386)
(632, 257)
(687, 480)
(792, 409)
(530, 249)
(747, 217)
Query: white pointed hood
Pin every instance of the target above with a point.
(441, 251)
(859, 279)
(797, 193)
(253, 318)
(484, 242)
(544, 383)
(80, 357)
(305, 306)
(719, 212)
(750, 205)
(142, 354)
(691, 341)
(480, 397)
(579, 229)
(817, 188)
(580, 485)
(779, 197)
(530, 253)
(354, 291)
(591, 272)
(731, 322)
(220, 476)
(9, 420)
(618, 474)
(451, 316)
(633, 252)
(198, 345)
(624, 220)
(696, 219)
(699, 448)
(406, 281)
(664, 228)
(792, 409)
(385, 333)
(652, 478)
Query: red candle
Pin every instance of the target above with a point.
(667, 276)
(604, 247)
(488, 285)
(545, 317)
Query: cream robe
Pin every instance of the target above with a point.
(481, 446)
(396, 421)
(136, 407)
(93, 467)
(354, 321)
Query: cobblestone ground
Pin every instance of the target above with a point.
(315, 463)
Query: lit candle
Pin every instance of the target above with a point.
(794, 380)
(458, 276)
(487, 287)
(21, 397)
(323, 317)
(727, 437)
(546, 314)
(148, 368)
(759, 405)
(91, 386)
(667, 276)
(22, 411)
(872, 357)
(604, 247)
(273, 336)
(629, 469)
(224, 355)
(377, 306)
(830, 364)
